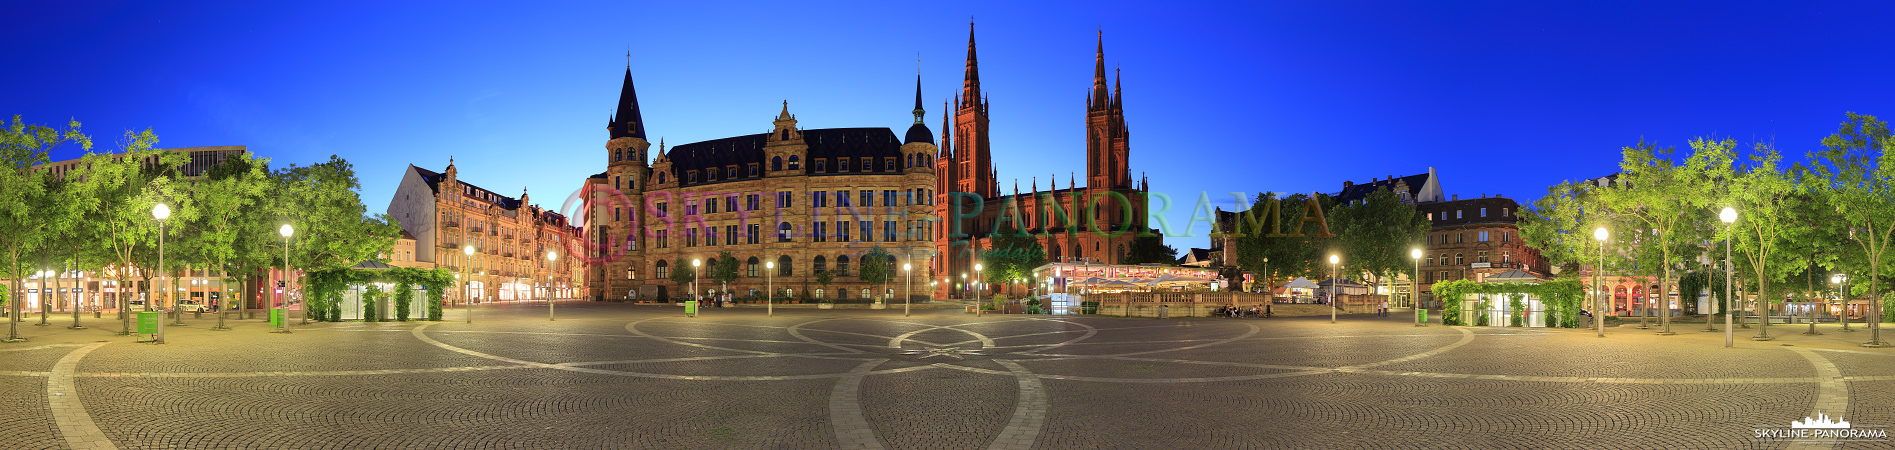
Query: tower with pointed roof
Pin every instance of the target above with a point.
(974, 161)
(612, 233)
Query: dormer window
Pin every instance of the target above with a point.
(868, 164)
(754, 170)
(890, 163)
(731, 171)
(691, 176)
(842, 164)
(710, 174)
(821, 165)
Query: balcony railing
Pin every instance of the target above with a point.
(450, 224)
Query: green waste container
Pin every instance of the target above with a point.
(690, 307)
(148, 322)
(1424, 315)
(277, 316)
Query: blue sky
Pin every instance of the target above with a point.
(1500, 98)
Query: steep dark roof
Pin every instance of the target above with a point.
(433, 178)
(741, 151)
(628, 121)
(1355, 192)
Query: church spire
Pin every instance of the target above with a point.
(970, 85)
(947, 134)
(918, 110)
(629, 123)
(1099, 93)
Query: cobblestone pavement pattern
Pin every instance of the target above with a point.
(640, 376)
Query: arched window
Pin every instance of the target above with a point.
(1055, 252)
(819, 264)
(842, 293)
(785, 134)
(911, 160)
(618, 155)
(750, 267)
(842, 265)
(783, 266)
(783, 232)
(1122, 254)
(661, 178)
(776, 163)
(1458, 260)
(818, 293)
(663, 271)
(865, 292)
(795, 162)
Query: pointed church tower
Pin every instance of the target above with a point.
(974, 172)
(1106, 139)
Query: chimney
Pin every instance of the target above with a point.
(1456, 197)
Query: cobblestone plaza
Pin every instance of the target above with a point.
(642, 376)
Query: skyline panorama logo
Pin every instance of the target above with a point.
(1821, 428)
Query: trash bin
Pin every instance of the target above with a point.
(1164, 311)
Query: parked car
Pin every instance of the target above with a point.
(192, 306)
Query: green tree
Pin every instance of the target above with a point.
(1149, 248)
(1765, 198)
(1013, 256)
(724, 270)
(823, 278)
(877, 267)
(1378, 233)
(230, 189)
(23, 190)
(1663, 201)
(1286, 238)
(120, 228)
(682, 275)
(1857, 173)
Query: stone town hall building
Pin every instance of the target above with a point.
(810, 200)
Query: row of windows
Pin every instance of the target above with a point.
(785, 267)
(1461, 237)
(1460, 259)
(1504, 212)
(892, 231)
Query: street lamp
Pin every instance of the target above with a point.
(907, 287)
(286, 231)
(1842, 295)
(467, 290)
(769, 299)
(1598, 304)
(695, 263)
(551, 256)
(1728, 216)
(978, 281)
(1414, 287)
(1333, 259)
(160, 212)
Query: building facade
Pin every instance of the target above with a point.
(1473, 239)
(1095, 222)
(511, 237)
(786, 205)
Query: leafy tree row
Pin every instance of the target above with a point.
(97, 217)
(1833, 213)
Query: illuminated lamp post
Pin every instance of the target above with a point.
(551, 256)
(1333, 259)
(1414, 287)
(1598, 306)
(769, 298)
(287, 231)
(160, 212)
(468, 289)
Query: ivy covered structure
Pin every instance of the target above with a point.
(1511, 301)
(375, 292)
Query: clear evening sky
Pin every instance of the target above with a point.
(1500, 97)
